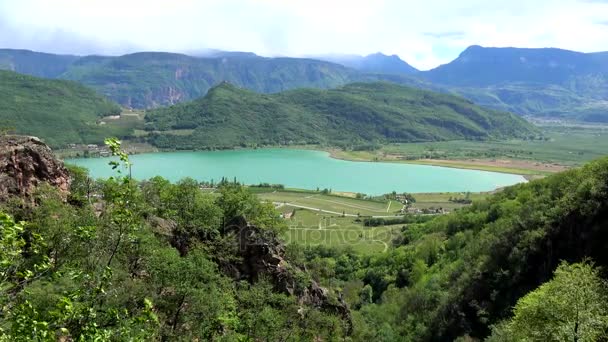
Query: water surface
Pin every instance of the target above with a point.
(304, 169)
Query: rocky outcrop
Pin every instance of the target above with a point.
(26, 162)
(263, 255)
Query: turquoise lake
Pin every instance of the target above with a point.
(304, 169)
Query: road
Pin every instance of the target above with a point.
(280, 204)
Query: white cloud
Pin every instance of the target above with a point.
(423, 33)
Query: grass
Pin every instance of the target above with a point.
(442, 200)
(336, 204)
(311, 228)
(323, 223)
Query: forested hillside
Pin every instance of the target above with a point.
(154, 79)
(463, 273)
(60, 112)
(124, 260)
(354, 114)
(127, 261)
(144, 80)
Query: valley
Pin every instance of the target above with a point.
(227, 196)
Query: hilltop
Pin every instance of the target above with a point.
(60, 112)
(550, 83)
(374, 63)
(547, 82)
(356, 114)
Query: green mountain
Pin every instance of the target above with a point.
(550, 83)
(359, 113)
(458, 275)
(541, 82)
(60, 112)
(144, 80)
(154, 79)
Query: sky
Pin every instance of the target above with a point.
(423, 33)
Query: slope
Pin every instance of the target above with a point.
(358, 113)
(544, 82)
(60, 112)
(153, 79)
(35, 63)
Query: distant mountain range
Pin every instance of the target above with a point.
(354, 115)
(374, 63)
(549, 83)
(542, 82)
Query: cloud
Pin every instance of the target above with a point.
(424, 34)
(449, 34)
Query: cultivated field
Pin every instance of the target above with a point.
(332, 204)
(321, 219)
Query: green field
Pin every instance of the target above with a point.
(332, 204)
(310, 228)
(442, 200)
(318, 220)
(330, 220)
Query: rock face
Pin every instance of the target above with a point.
(26, 162)
(263, 255)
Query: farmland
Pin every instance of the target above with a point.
(314, 218)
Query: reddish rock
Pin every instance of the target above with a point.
(26, 162)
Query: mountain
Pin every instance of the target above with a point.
(552, 83)
(374, 63)
(152, 79)
(60, 112)
(35, 63)
(542, 82)
(359, 113)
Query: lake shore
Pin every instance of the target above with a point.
(526, 168)
(529, 169)
(307, 169)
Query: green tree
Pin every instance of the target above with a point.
(573, 306)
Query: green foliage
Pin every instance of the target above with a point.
(573, 306)
(128, 261)
(358, 113)
(235, 200)
(60, 112)
(458, 275)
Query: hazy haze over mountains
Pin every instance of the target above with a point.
(425, 34)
